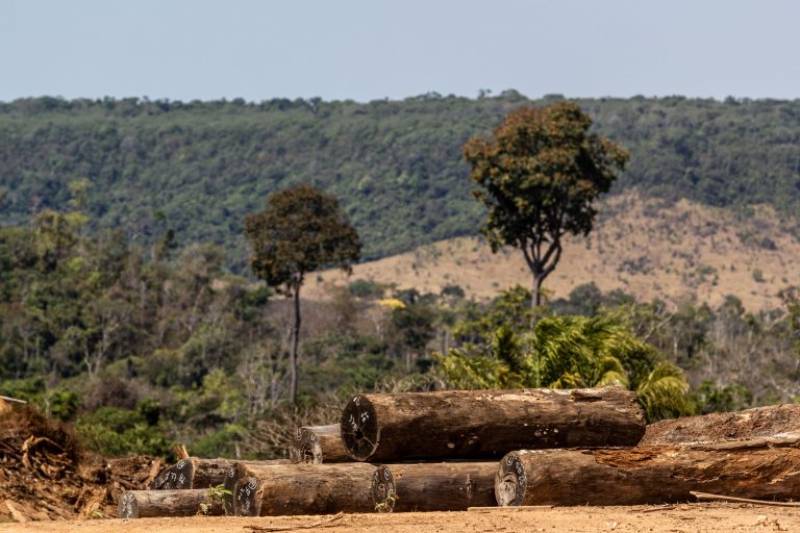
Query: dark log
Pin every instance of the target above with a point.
(149, 503)
(486, 423)
(453, 486)
(312, 489)
(644, 476)
(196, 473)
(319, 444)
(773, 423)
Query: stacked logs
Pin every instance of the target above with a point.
(438, 451)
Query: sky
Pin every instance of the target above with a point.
(371, 49)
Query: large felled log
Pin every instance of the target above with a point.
(319, 444)
(641, 476)
(484, 424)
(196, 473)
(187, 502)
(312, 489)
(772, 424)
(453, 486)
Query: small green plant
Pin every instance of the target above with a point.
(216, 494)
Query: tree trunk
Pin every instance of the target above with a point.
(536, 294)
(295, 345)
(453, 486)
(149, 503)
(319, 444)
(311, 489)
(644, 476)
(774, 421)
(485, 424)
(195, 473)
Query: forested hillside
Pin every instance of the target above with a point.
(198, 167)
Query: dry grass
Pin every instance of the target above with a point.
(677, 252)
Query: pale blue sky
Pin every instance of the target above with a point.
(363, 50)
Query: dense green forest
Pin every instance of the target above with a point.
(141, 348)
(198, 167)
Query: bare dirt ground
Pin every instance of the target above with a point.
(685, 518)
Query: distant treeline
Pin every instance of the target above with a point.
(197, 167)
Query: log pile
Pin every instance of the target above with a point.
(507, 448)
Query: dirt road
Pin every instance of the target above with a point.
(687, 518)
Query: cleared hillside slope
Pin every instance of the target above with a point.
(645, 246)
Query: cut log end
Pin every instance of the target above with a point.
(309, 448)
(128, 508)
(245, 501)
(360, 432)
(185, 470)
(383, 490)
(509, 488)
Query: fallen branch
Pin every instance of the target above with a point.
(722, 498)
(328, 522)
(10, 399)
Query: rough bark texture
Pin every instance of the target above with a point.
(642, 476)
(149, 503)
(453, 486)
(771, 421)
(319, 444)
(311, 489)
(484, 424)
(239, 470)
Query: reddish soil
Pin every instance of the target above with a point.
(706, 518)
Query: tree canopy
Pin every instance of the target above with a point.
(198, 167)
(539, 176)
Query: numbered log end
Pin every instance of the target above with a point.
(511, 481)
(384, 492)
(245, 499)
(128, 507)
(360, 429)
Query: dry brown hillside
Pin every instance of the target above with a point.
(647, 247)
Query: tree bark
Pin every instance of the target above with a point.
(311, 489)
(319, 444)
(485, 424)
(644, 476)
(453, 486)
(196, 473)
(773, 422)
(149, 503)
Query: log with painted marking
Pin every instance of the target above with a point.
(319, 444)
(452, 486)
(644, 475)
(486, 424)
(196, 473)
(186, 502)
(311, 489)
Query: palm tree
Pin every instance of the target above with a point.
(568, 352)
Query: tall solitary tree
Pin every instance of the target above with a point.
(301, 230)
(539, 174)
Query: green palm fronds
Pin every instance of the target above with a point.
(569, 352)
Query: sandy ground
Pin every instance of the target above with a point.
(685, 518)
